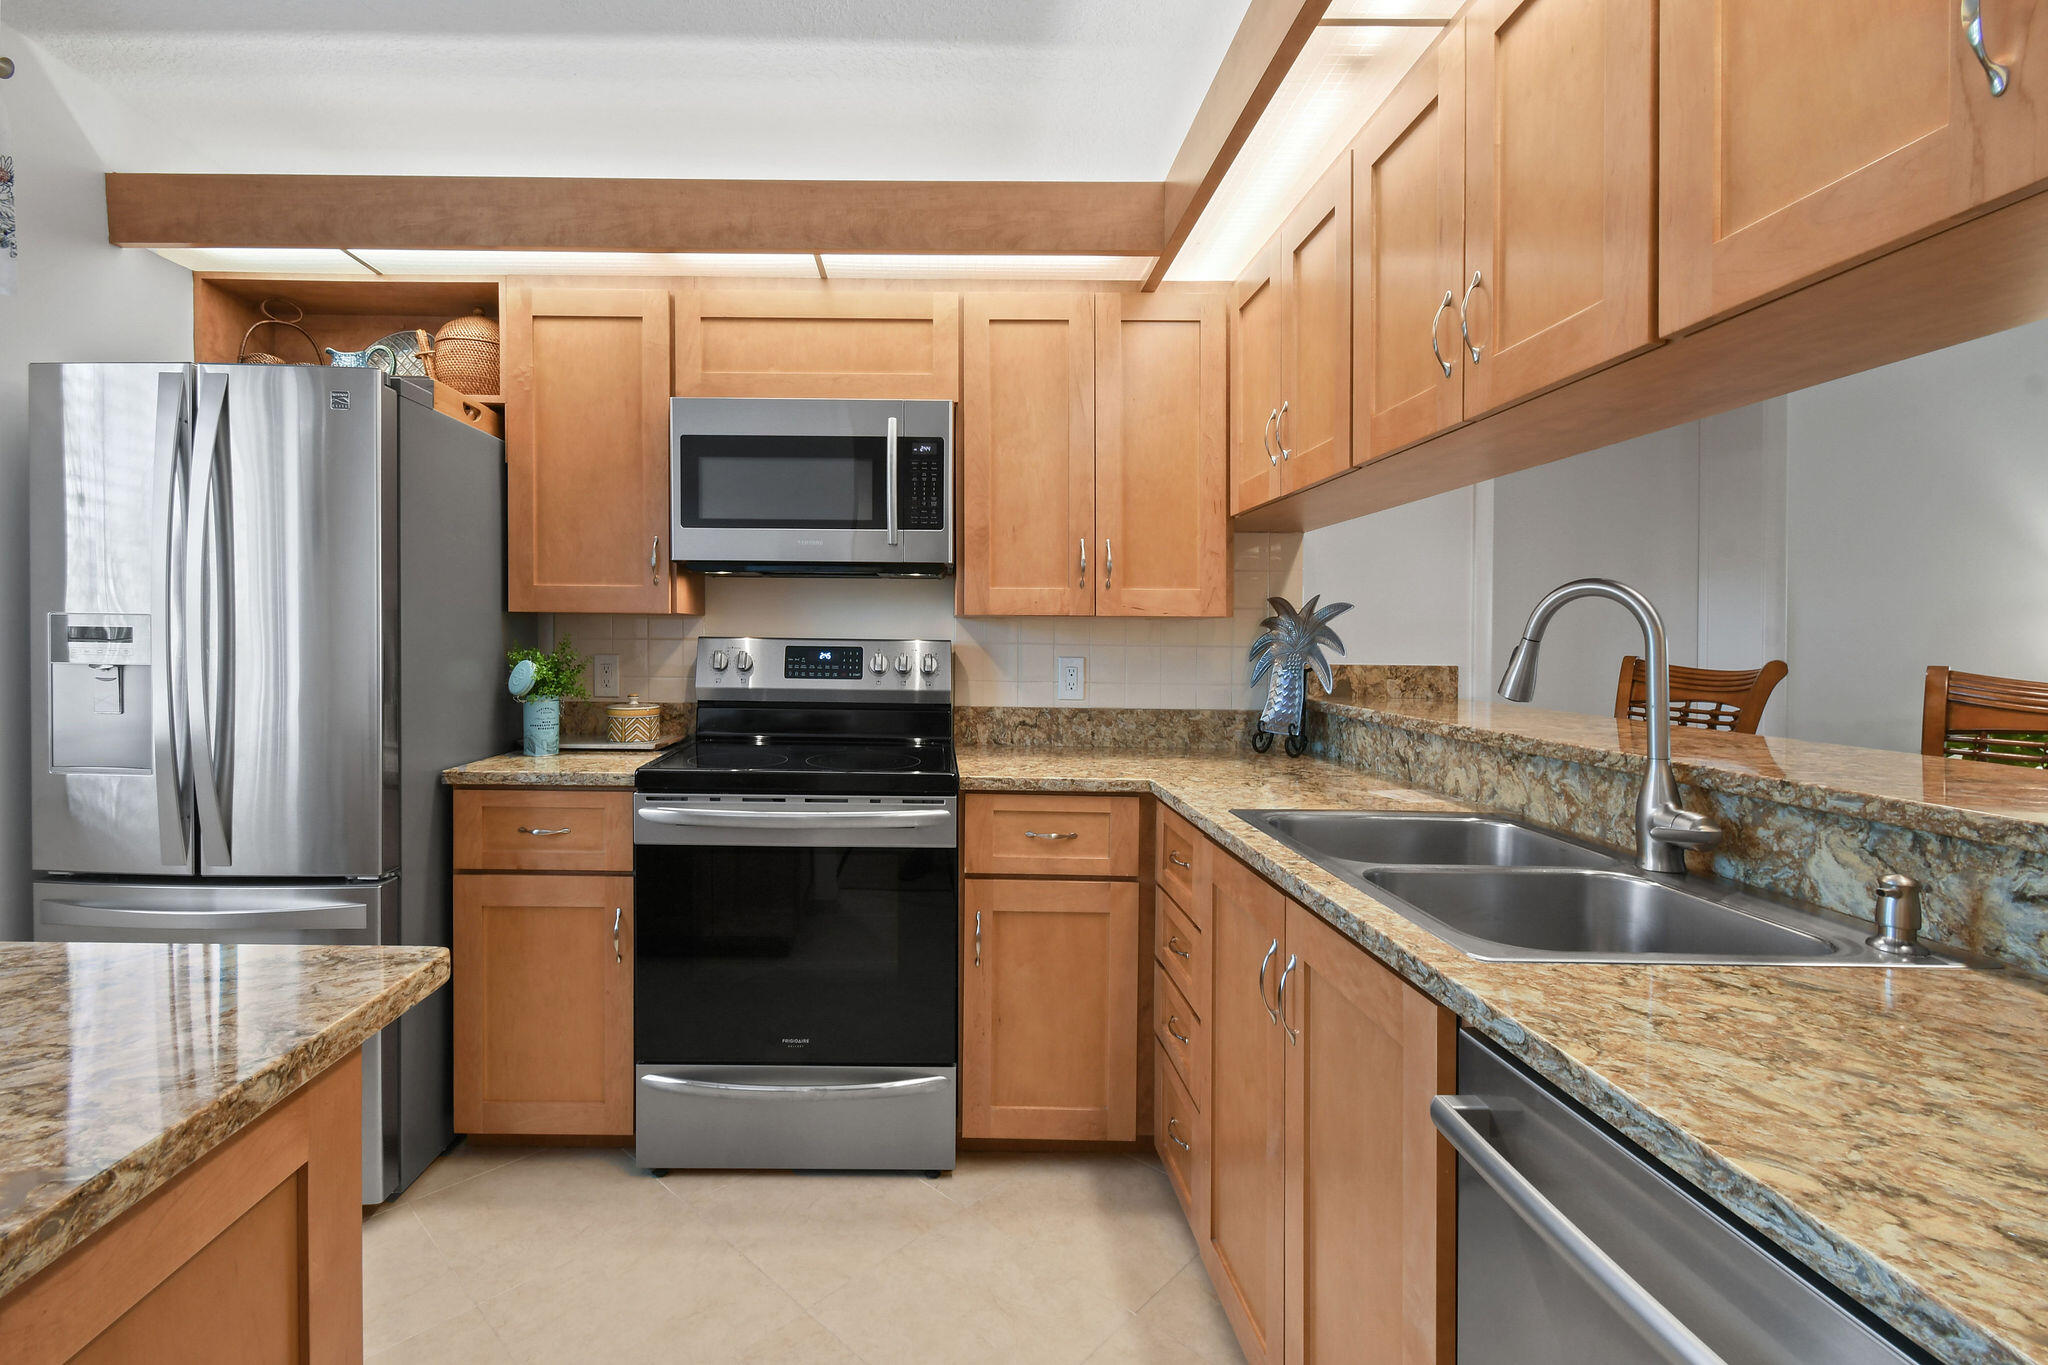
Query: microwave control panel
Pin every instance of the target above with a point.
(921, 484)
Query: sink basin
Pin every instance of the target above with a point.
(1586, 915)
(1362, 836)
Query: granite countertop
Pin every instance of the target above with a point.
(122, 1064)
(1882, 1125)
(571, 768)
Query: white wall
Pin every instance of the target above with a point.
(998, 661)
(1917, 516)
(1408, 571)
(77, 299)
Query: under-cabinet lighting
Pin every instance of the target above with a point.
(1430, 11)
(1341, 76)
(264, 260)
(589, 263)
(852, 267)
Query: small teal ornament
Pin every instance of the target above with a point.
(1292, 643)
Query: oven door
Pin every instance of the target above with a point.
(817, 484)
(796, 931)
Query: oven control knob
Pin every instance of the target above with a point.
(719, 659)
(744, 661)
(928, 665)
(880, 663)
(902, 663)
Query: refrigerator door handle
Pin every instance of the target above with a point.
(210, 429)
(167, 693)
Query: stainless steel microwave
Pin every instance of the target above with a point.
(812, 485)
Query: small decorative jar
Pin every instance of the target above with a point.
(632, 721)
(543, 726)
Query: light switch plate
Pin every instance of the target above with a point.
(604, 675)
(1070, 677)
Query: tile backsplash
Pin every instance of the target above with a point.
(997, 661)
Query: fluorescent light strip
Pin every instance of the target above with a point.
(847, 267)
(756, 264)
(261, 260)
(369, 262)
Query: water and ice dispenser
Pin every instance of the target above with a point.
(99, 692)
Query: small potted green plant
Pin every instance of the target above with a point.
(540, 679)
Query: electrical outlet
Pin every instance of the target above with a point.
(1070, 677)
(604, 681)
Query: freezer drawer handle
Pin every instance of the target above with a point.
(739, 1090)
(311, 915)
(1669, 1337)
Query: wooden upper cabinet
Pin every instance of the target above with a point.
(1560, 209)
(1407, 254)
(825, 343)
(1255, 324)
(1314, 430)
(1246, 1250)
(1027, 455)
(586, 449)
(1160, 459)
(1797, 139)
(1371, 1189)
(1049, 1010)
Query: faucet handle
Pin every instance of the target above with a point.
(1897, 915)
(1683, 828)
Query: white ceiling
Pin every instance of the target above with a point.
(746, 89)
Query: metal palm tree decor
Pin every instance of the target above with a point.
(1292, 644)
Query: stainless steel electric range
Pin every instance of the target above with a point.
(796, 904)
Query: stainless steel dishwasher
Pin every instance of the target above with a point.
(1573, 1249)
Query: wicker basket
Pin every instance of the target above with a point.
(273, 316)
(466, 354)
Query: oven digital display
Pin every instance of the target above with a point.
(839, 662)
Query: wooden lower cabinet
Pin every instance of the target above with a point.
(1049, 1003)
(544, 1004)
(1245, 1251)
(1370, 1214)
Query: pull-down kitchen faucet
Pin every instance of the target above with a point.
(1664, 829)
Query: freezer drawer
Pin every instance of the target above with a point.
(1573, 1247)
(195, 912)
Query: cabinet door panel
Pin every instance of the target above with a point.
(1246, 1248)
(1161, 469)
(1560, 193)
(1049, 1005)
(1797, 138)
(586, 449)
(1314, 431)
(1408, 249)
(1370, 1218)
(791, 343)
(1027, 447)
(1255, 317)
(543, 1004)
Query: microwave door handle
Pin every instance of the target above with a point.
(167, 698)
(202, 532)
(895, 525)
(1660, 1329)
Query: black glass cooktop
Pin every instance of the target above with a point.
(912, 766)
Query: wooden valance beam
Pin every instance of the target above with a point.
(393, 212)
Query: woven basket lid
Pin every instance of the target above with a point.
(632, 706)
(475, 327)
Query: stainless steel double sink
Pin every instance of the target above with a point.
(1503, 891)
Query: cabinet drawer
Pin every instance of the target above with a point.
(1180, 857)
(1179, 1031)
(1182, 952)
(534, 830)
(1052, 836)
(1182, 1141)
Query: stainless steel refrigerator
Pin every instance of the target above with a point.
(266, 609)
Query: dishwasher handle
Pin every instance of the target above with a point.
(1671, 1339)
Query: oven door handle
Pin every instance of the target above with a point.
(1671, 1339)
(794, 820)
(853, 1090)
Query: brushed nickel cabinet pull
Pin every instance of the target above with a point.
(654, 561)
(1034, 834)
(1178, 861)
(543, 833)
(1997, 76)
(1434, 349)
(1280, 430)
(1264, 962)
(977, 938)
(1171, 1020)
(1464, 322)
(1182, 954)
(618, 917)
(1082, 581)
(1266, 437)
(1293, 1036)
(1174, 1137)
(1108, 563)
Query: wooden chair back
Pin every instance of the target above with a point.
(1726, 699)
(1993, 720)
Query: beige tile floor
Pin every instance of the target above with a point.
(507, 1255)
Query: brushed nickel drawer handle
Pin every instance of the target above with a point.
(618, 915)
(1293, 1034)
(543, 833)
(977, 938)
(1173, 1137)
(1034, 834)
(1182, 953)
(1178, 861)
(1173, 1019)
(1997, 76)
